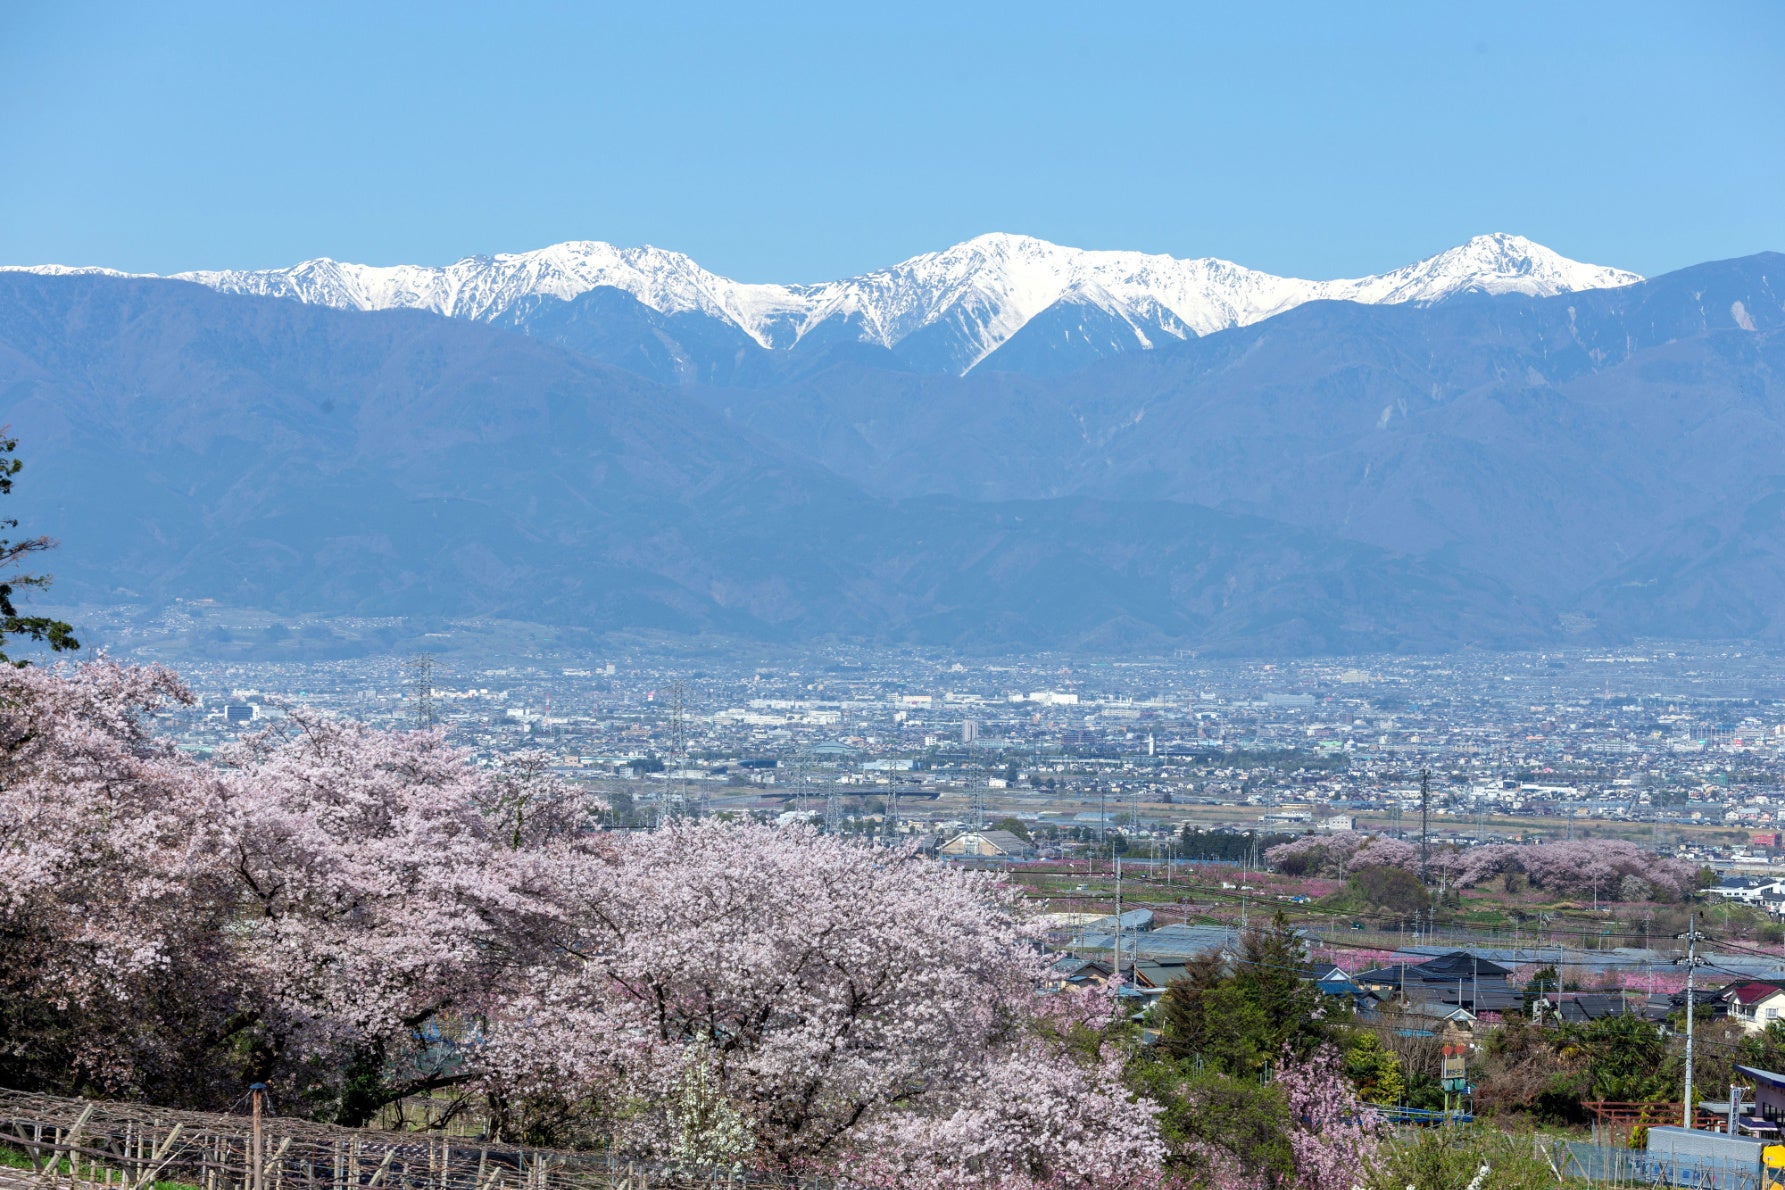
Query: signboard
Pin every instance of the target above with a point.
(1453, 1066)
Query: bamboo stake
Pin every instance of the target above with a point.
(383, 1168)
(158, 1158)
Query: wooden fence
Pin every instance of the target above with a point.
(80, 1144)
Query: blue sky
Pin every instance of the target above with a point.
(800, 143)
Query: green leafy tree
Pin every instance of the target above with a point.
(1627, 1060)
(1237, 1022)
(1185, 1019)
(1211, 1122)
(43, 629)
(1272, 972)
(1765, 1049)
(1015, 826)
(1543, 982)
(1394, 889)
(1221, 1027)
(1374, 1071)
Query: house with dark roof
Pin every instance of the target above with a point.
(1070, 971)
(1750, 890)
(1157, 973)
(1459, 979)
(1335, 981)
(1577, 1008)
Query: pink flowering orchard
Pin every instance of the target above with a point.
(1610, 868)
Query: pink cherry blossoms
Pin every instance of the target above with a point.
(1614, 869)
(1334, 1135)
(1580, 867)
(1339, 853)
(354, 915)
(836, 991)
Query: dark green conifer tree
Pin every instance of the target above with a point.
(44, 629)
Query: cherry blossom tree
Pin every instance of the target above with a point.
(380, 916)
(853, 1001)
(1334, 1136)
(112, 953)
(1317, 855)
(1049, 1111)
(528, 805)
(1574, 867)
(1578, 866)
(1384, 853)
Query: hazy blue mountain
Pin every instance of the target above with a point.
(184, 442)
(610, 325)
(1550, 442)
(1073, 333)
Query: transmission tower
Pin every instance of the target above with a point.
(802, 780)
(678, 725)
(421, 686)
(976, 809)
(833, 809)
(891, 825)
(678, 752)
(1425, 838)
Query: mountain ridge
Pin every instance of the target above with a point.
(185, 443)
(943, 311)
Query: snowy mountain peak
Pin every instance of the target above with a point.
(963, 302)
(1497, 263)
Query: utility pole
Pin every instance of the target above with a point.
(1102, 815)
(1117, 976)
(1692, 936)
(256, 1094)
(1425, 839)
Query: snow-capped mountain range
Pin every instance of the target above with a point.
(969, 299)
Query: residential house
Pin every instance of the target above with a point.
(1749, 890)
(1157, 974)
(1458, 979)
(1754, 1003)
(1576, 1008)
(1335, 981)
(1765, 1116)
(1073, 972)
